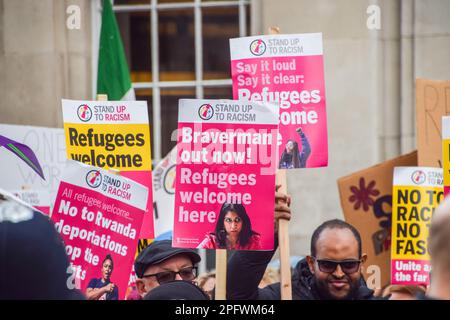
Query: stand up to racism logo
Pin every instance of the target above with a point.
(258, 47)
(84, 113)
(94, 178)
(206, 111)
(418, 177)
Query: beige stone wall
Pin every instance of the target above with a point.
(41, 60)
(369, 78)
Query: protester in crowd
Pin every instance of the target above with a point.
(291, 156)
(33, 260)
(102, 288)
(159, 263)
(403, 292)
(207, 283)
(331, 271)
(233, 230)
(270, 276)
(439, 248)
(177, 290)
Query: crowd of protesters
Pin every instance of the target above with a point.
(34, 265)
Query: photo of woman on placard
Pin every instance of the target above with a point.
(103, 288)
(233, 231)
(291, 157)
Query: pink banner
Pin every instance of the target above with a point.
(410, 272)
(287, 69)
(225, 178)
(99, 216)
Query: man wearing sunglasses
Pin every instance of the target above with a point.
(335, 262)
(331, 272)
(159, 263)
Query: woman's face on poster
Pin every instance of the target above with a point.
(289, 146)
(107, 269)
(232, 223)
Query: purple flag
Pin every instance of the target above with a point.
(23, 152)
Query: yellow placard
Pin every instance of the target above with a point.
(125, 147)
(446, 161)
(412, 210)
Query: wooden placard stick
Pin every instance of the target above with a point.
(283, 230)
(221, 274)
(283, 243)
(102, 97)
(274, 30)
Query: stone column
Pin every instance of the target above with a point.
(41, 60)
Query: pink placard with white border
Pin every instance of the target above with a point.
(225, 175)
(288, 69)
(97, 214)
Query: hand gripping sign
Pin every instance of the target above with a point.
(112, 134)
(417, 191)
(225, 174)
(287, 69)
(99, 216)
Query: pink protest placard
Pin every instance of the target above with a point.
(225, 175)
(287, 69)
(99, 216)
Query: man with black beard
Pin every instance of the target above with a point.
(335, 263)
(333, 270)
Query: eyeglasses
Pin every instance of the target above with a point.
(329, 266)
(229, 220)
(187, 274)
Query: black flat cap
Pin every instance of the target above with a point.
(158, 252)
(176, 290)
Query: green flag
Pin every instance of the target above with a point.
(113, 76)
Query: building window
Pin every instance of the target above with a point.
(178, 49)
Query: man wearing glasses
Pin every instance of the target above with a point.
(335, 262)
(331, 272)
(159, 263)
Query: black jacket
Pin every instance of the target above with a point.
(246, 269)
